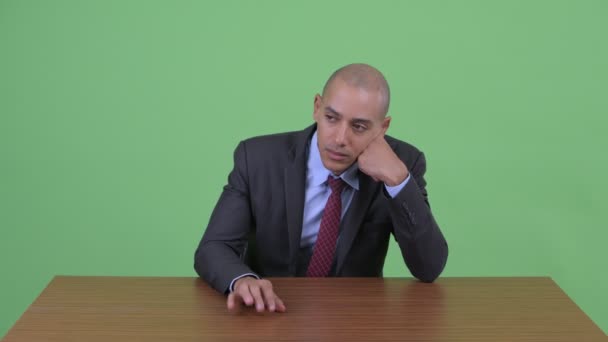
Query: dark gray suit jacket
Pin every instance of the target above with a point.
(257, 223)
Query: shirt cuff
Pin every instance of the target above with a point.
(394, 190)
(231, 287)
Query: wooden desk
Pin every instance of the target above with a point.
(331, 309)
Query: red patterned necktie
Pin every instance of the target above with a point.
(325, 247)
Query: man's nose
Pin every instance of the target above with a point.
(341, 135)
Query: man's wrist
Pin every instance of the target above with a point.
(398, 177)
(393, 191)
(232, 285)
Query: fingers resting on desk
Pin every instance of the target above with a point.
(259, 292)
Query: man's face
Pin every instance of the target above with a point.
(348, 119)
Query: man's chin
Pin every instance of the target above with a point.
(337, 167)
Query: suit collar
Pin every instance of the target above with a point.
(295, 182)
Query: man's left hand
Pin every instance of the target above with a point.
(380, 162)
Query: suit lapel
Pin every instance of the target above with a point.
(353, 218)
(295, 183)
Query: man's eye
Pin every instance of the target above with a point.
(359, 128)
(330, 118)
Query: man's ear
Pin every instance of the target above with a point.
(385, 124)
(316, 106)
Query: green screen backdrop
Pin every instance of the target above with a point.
(118, 120)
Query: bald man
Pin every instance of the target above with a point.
(323, 201)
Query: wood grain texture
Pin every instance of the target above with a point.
(323, 309)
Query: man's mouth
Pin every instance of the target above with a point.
(336, 156)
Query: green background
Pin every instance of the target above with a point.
(119, 118)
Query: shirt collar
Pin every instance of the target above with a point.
(317, 173)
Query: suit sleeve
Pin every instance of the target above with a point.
(423, 247)
(220, 253)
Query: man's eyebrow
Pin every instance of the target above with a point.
(333, 111)
(363, 121)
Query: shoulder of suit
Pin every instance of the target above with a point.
(275, 147)
(276, 137)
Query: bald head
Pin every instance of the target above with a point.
(365, 77)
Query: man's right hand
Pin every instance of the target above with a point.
(250, 291)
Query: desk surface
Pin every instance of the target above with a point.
(324, 309)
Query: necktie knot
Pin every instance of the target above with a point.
(336, 184)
